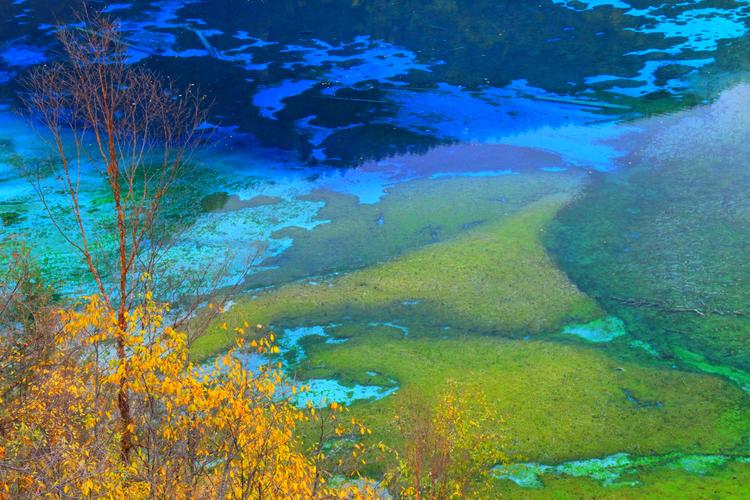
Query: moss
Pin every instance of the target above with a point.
(699, 362)
(560, 402)
(493, 279)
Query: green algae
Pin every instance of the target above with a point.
(699, 362)
(493, 279)
(559, 401)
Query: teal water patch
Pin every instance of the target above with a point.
(322, 392)
(620, 469)
(600, 330)
(290, 344)
(318, 392)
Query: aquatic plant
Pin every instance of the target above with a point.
(495, 278)
(559, 402)
(662, 244)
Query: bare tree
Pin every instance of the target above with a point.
(122, 122)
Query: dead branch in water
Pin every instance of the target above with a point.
(663, 306)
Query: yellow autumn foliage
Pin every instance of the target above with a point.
(216, 431)
(449, 448)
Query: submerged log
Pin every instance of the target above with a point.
(663, 306)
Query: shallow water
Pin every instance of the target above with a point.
(561, 185)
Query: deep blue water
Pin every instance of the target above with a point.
(340, 82)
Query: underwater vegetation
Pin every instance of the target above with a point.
(560, 402)
(410, 215)
(663, 243)
(502, 324)
(495, 278)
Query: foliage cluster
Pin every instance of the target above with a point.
(218, 432)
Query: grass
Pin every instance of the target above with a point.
(493, 279)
